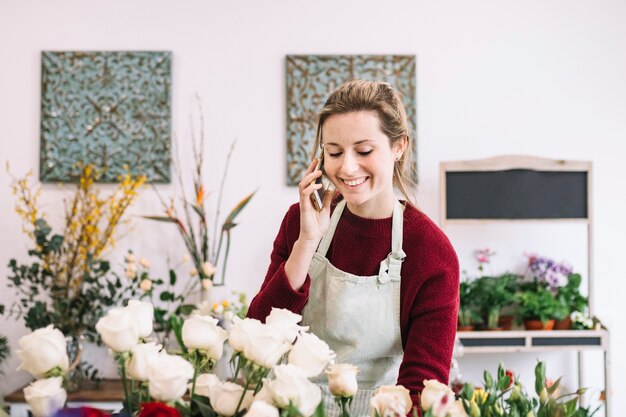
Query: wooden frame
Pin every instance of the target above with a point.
(529, 341)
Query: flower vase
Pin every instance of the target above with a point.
(74, 354)
(536, 324)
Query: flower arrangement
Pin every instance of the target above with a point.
(550, 291)
(272, 364)
(46, 394)
(258, 349)
(68, 282)
(172, 306)
(492, 294)
(546, 270)
(503, 396)
(192, 220)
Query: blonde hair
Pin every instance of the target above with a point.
(381, 98)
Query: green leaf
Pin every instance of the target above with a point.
(238, 208)
(172, 277)
(319, 411)
(488, 380)
(198, 211)
(166, 296)
(161, 219)
(200, 405)
(540, 377)
(503, 383)
(186, 309)
(554, 386)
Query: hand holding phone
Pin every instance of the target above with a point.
(317, 197)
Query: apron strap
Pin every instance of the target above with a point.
(322, 249)
(390, 267)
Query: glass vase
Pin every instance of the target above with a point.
(74, 354)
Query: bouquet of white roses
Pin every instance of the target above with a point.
(272, 364)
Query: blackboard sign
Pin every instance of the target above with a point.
(516, 194)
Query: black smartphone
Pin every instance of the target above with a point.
(318, 195)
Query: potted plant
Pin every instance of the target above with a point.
(571, 301)
(537, 306)
(492, 294)
(468, 314)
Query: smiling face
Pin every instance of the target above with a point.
(359, 161)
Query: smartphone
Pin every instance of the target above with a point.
(318, 195)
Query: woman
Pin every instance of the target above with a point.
(373, 277)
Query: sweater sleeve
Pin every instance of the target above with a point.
(276, 291)
(431, 302)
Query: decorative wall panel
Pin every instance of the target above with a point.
(109, 109)
(311, 78)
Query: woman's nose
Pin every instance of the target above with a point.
(349, 164)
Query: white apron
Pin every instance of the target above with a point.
(358, 316)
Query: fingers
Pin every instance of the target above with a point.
(308, 179)
(328, 197)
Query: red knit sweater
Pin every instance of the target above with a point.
(429, 284)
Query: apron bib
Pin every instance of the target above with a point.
(358, 316)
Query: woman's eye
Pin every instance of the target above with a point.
(334, 154)
(365, 153)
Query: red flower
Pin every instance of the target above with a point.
(510, 375)
(157, 410)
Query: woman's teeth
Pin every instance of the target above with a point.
(353, 183)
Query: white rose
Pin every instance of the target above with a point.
(311, 354)
(141, 357)
(457, 409)
(208, 268)
(186, 259)
(204, 382)
(144, 313)
(207, 284)
(145, 284)
(144, 262)
(43, 350)
(433, 394)
(265, 346)
(45, 396)
(342, 380)
(131, 271)
(193, 272)
(203, 333)
(238, 337)
(260, 408)
(391, 400)
(130, 258)
(264, 394)
(225, 397)
(285, 322)
(119, 329)
(292, 385)
(168, 377)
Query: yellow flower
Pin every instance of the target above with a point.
(479, 396)
(225, 303)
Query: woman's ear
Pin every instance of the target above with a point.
(400, 147)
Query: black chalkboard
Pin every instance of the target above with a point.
(516, 194)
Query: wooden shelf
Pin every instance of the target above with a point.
(532, 341)
(106, 391)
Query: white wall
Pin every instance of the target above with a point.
(544, 78)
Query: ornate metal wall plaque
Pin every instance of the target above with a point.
(310, 78)
(109, 109)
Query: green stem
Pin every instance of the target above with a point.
(243, 394)
(125, 384)
(345, 407)
(195, 376)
